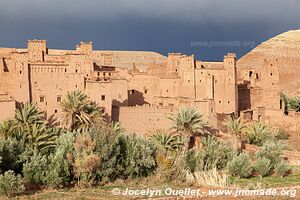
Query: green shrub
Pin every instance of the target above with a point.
(108, 149)
(272, 151)
(263, 166)
(213, 154)
(137, 156)
(282, 134)
(240, 166)
(35, 167)
(167, 141)
(59, 172)
(10, 183)
(10, 151)
(85, 160)
(258, 134)
(282, 169)
(294, 103)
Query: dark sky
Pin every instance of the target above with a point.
(207, 28)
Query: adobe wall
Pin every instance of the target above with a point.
(145, 119)
(7, 109)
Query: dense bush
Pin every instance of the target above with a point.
(240, 166)
(281, 169)
(258, 134)
(137, 156)
(272, 151)
(281, 134)
(263, 166)
(35, 167)
(213, 154)
(85, 159)
(107, 147)
(10, 151)
(60, 162)
(294, 103)
(10, 183)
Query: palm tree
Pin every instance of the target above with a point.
(235, 127)
(168, 141)
(258, 133)
(188, 122)
(40, 137)
(79, 112)
(7, 128)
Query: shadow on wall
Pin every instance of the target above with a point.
(135, 98)
(244, 98)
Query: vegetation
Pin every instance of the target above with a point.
(258, 134)
(89, 151)
(263, 166)
(240, 166)
(282, 169)
(10, 183)
(188, 122)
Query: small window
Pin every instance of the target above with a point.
(55, 111)
(102, 97)
(271, 74)
(256, 76)
(109, 74)
(58, 99)
(200, 81)
(167, 90)
(176, 70)
(146, 91)
(188, 81)
(65, 70)
(132, 91)
(250, 74)
(42, 99)
(76, 85)
(98, 73)
(228, 101)
(76, 71)
(20, 72)
(160, 104)
(219, 101)
(104, 73)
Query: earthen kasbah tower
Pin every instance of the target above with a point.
(140, 89)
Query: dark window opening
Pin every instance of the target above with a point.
(219, 101)
(65, 70)
(76, 71)
(98, 73)
(146, 91)
(58, 99)
(76, 85)
(271, 74)
(42, 99)
(102, 97)
(132, 91)
(250, 74)
(20, 72)
(55, 111)
(256, 76)
(228, 102)
(109, 74)
(104, 73)
(176, 70)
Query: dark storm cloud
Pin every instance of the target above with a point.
(159, 25)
